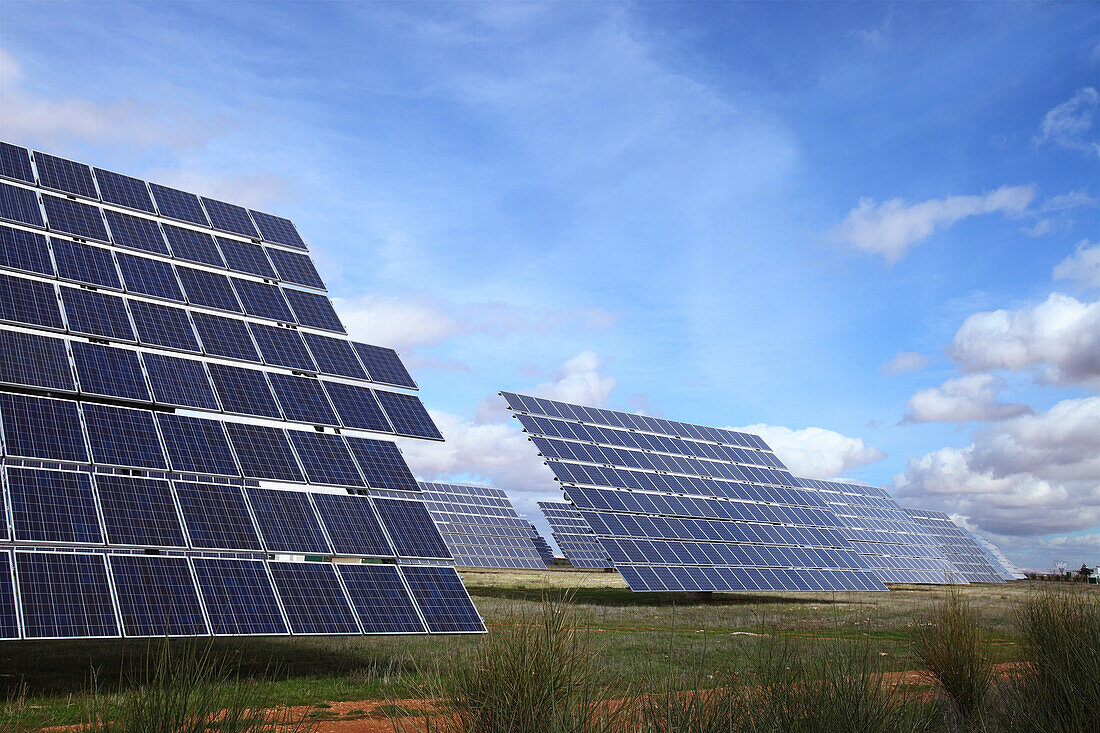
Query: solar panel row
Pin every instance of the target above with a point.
(959, 547)
(542, 546)
(574, 537)
(481, 527)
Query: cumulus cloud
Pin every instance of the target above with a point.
(963, 399)
(815, 452)
(1070, 123)
(1083, 266)
(890, 228)
(580, 381)
(905, 362)
(1060, 336)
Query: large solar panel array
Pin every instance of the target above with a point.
(575, 539)
(959, 546)
(997, 558)
(162, 357)
(684, 507)
(542, 546)
(481, 527)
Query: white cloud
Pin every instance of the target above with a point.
(815, 452)
(891, 227)
(963, 399)
(1083, 266)
(1069, 124)
(905, 362)
(579, 381)
(1061, 335)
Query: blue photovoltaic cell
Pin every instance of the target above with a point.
(176, 204)
(53, 506)
(411, 528)
(187, 244)
(179, 382)
(211, 289)
(20, 205)
(357, 407)
(135, 232)
(246, 257)
(442, 599)
(282, 346)
(295, 267)
(9, 619)
(243, 391)
(352, 525)
(277, 229)
(72, 217)
(263, 452)
(157, 596)
(35, 360)
(230, 218)
(32, 302)
(115, 188)
(302, 399)
(262, 300)
(120, 436)
(65, 595)
(97, 314)
(239, 598)
(226, 337)
(109, 371)
(39, 427)
(164, 325)
(15, 162)
(26, 251)
(65, 175)
(381, 600)
(408, 416)
(84, 263)
(334, 356)
(382, 464)
(139, 511)
(155, 278)
(383, 365)
(325, 459)
(312, 309)
(313, 599)
(4, 533)
(287, 522)
(196, 445)
(216, 517)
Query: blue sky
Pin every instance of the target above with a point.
(869, 230)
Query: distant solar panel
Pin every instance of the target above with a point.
(187, 244)
(196, 445)
(382, 464)
(277, 229)
(20, 205)
(116, 188)
(244, 391)
(575, 538)
(226, 337)
(35, 360)
(180, 205)
(164, 325)
(282, 346)
(326, 459)
(53, 506)
(135, 232)
(262, 300)
(65, 175)
(264, 452)
(15, 162)
(147, 276)
(108, 371)
(65, 595)
(481, 527)
(334, 356)
(239, 598)
(139, 511)
(84, 263)
(230, 218)
(210, 289)
(179, 382)
(287, 522)
(408, 416)
(94, 313)
(357, 406)
(443, 600)
(380, 599)
(302, 399)
(121, 436)
(26, 251)
(384, 366)
(156, 596)
(30, 302)
(352, 525)
(216, 517)
(411, 528)
(295, 267)
(9, 617)
(959, 547)
(542, 546)
(40, 427)
(311, 309)
(313, 598)
(246, 257)
(72, 217)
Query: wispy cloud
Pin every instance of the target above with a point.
(1082, 267)
(905, 362)
(1070, 123)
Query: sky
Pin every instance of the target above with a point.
(867, 232)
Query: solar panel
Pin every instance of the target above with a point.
(26, 251)
(442, 599)
(210, 289)
(277, 229)
(187, 244)
(151, 277)
(20, 205)
(357, 407)
(156, 596)
(312, 309)
(53, 506)
(481, 527)
(121, 436)
(382, 464)
(9, 617)
(72, 217)
(225, 337)
(384, 366)
(542, 546)
(246, 257)
(30, 302)
(959, 547)
(313, 598)
(295, 267)
(352, 525)
(216, 517)
(334, 356)
(244, 391)
(65, 595)
(262, 300)
(107, 371)
(282, 346)
(15, 162)
(164, 325)
(179, 382)
(302, 399)
(325, 458)
(380, 599)
(65, 175)
(83, 263)
(135, 232)
(575, 538)
(180, 205)
(196, 445)
(411, 528)
(116, 188)
(35, 360)
(239, 598)
(139, 511)
(264, 452)
(40, 427)
(287, 522)
(408, 416)
(93, 313)
(230, 218)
